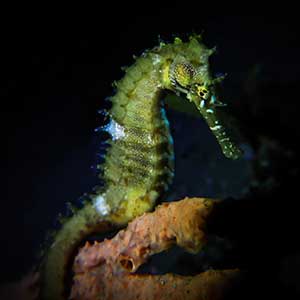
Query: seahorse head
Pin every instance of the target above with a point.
(189, 74)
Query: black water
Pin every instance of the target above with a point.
(54, 77)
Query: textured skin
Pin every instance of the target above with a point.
(208, 285)
(138, 166)
(179, 223)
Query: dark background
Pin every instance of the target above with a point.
(55, 73)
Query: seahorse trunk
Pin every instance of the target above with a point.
(138, 168)
(139, 164)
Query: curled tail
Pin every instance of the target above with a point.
(58, 259)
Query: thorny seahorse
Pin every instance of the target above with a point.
(139, 164)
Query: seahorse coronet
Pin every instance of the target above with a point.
(138, 165)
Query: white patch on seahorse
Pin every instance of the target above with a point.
(149, 139)
(224, 140)
(216, 127)
(212, 99)
(101, 205)
(156, 59)
(116, 130)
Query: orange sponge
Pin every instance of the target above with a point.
(106, 270)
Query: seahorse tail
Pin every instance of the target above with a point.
(56, 266)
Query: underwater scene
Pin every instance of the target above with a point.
(152, 162)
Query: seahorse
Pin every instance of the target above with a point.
(139, 162)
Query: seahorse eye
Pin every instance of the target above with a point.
(183, 73)
(202, 91)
